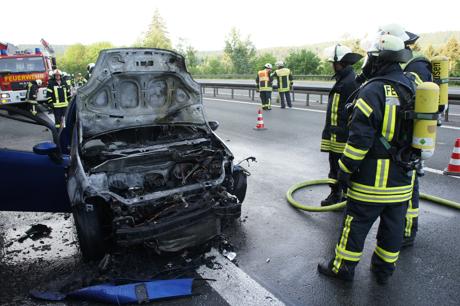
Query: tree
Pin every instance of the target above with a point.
(241, 52)
(326, 68)
(187, 51)
(263, 59)
(303, 62)
(78, 56)
(452, 50)
(157, 35)
(431, 52)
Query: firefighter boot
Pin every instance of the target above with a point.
(334, 197)
(345, 273)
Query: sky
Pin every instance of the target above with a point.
(205, 24)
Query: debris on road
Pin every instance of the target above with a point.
(35, 232)
(230, 255)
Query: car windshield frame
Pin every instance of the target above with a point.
(11, 64)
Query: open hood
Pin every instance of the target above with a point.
(133, 87)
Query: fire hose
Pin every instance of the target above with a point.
(313, 208)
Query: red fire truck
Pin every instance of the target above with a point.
(18, 68)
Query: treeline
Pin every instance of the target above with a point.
(239, 56)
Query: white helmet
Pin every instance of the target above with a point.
(268, 66)
(57, 71)
(39, 82)
(90, 67)
(390, 48)
(50, 73)
(279, 64)
(339, 53)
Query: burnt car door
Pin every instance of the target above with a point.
(32, 169)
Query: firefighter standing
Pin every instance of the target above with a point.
(264, 86)
(284, 80)
(379, 184)
(32, 91)
(80, 80)
(335, 131)
(58, 94)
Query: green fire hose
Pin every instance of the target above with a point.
(298, 186)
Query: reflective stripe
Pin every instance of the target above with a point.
(325, 144)
(347, 255)
(381, 190)
(354, 153)
(337, 147)
(334, 108)
(49, 90)
(364, 107)
(375, 198)
(343, 242)
(410, 215)
(264, 81)
(389, 122)
(57, 101)
(343, 167)
(390, 257)
(381, 174)
(418, 80)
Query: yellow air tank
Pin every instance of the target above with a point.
(440, 72)
(425, 123)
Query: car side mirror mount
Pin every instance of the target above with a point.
(213, 125)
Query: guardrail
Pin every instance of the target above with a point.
(454, 98)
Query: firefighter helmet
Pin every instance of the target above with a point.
(90, 67)
(279, 64)
(268, 66)
(398, 30)
(39, 82)
(57, 71)
(342, 54)
(389, 48)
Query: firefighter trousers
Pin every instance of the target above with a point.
(358, 220)
(59, 114)
(285, 96)
(266, 98)
(411, 226)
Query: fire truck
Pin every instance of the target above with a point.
(18, 68)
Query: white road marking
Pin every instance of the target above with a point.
(436, 171)
(450, 127)
(257, 104)
(235, 286)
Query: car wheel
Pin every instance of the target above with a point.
(240, 184)
(89, 231)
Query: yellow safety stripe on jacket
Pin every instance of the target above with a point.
(390, 257)
(389, 118)
(381, 190)
(342, 244)
(418, 80)
(343, 167)
(375, 198)
(264, 81)
(280, 73)
(325, 144)
(381, 174)
(363, 107)
(354, 153)
(58, 103)
(334, 108)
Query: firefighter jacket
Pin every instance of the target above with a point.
(335, 131)
(58, 94)
(375, 176)
(32, 90)
(284, 79)
(420, 68)
(264, 80)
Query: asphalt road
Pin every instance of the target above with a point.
(277, 247)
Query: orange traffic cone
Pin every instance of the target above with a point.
(260, 122)
(454, 165)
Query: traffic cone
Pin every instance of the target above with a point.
(454, 165)
(260, 121)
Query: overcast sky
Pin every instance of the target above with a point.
(204, 24)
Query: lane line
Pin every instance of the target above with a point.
(235, 286)
(257, 104)
(450, 127)
(436, 171)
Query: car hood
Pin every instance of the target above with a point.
(132, 87)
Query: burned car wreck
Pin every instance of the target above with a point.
(146, 166)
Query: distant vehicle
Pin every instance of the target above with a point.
(145, 166)
(18, 68)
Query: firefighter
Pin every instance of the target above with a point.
(376, 164)
(80, 80)
(264, 86)
(32, 91)
(284, 80)
(58, 94)
(335, 132)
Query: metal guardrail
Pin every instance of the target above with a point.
(454, 98)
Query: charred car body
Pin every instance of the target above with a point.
(145, 165)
